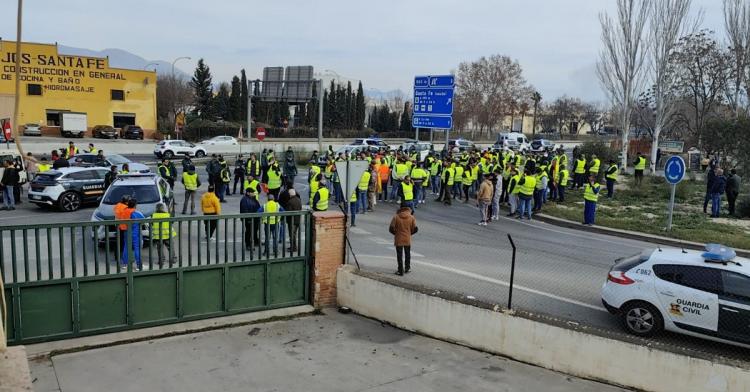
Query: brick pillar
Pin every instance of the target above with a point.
(328, 255)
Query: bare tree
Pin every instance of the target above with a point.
(669, 21)
(620, 65)
(173, 96)
(737, 26)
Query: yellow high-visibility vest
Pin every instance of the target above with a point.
(588, 192)
(162, 230)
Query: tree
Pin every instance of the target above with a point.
(405, 123)
(737, 27)
(564, 112)
(220, 103)
(669, 20)
(701, 70)
(360, 107)
(592, 115)
(523, 109)
(244, 96)
(312, 109)
(173, 96)
(536, 97)
(203, 90)
(235, 100)
(621, 60)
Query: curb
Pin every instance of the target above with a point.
(655, 239)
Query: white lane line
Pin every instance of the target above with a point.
(496, 281)
(357, 230)
(596, 238)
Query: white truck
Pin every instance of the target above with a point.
(73, 124)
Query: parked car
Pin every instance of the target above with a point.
(32, 130)
(422, 148)
(347, 151)
(698, 293)
(131, 132)
(105, 132)
(89, 160)
(541, 145)
(171, 148)
(371, 142)
(512, 141)
(68, 188)
(220, 141)
(148, 189)
(461, 144)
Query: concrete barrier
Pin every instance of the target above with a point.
(536, 342)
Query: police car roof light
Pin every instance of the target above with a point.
(717, 253)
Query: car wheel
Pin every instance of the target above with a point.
(70, 201)
(200, 154)
(168, 154)
(642, 319)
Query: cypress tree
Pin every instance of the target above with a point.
(359, 108)
(348, 123)
(235, 100)
(243, 96)
(221, 104)
(406, 118)
(201, 84)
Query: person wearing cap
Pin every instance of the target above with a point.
(319, 201)
(165, 172)
(210, 206)
(250, 205)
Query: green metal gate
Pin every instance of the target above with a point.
(70, 280)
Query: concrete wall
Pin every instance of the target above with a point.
(535, 342)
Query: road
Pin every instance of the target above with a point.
(559, 271)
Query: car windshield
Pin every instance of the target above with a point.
(117, 159)
(144, 194)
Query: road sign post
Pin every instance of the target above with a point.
(433, 103)
(674, 172)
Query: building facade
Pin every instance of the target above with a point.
(54, 83)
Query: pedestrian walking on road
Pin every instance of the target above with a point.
(718, 189)
(590, 198)
(210, 206)
(403, 226)
(192, 183)
(733, 190)
(484, 198)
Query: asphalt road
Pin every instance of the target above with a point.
(559, 271)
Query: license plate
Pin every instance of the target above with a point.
(35, 197)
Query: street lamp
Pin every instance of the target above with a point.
(149, 64)
(178, 59)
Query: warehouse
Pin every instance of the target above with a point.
(53, 83)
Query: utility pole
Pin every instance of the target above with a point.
(320, 117)
(249, 111)
(17, 98)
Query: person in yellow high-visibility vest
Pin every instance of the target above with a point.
(364, 183)
(639, 166)
(271, 223)
(590, 198)
(527, 185)
(162, 233)
(611, 176)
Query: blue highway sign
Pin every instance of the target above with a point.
(432, 122)
(431, 101)
(674, 170)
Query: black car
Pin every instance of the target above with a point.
(132, 132)
(104, 132)
(68, 188)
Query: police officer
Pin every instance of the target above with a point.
(165, 172)
(611, 176)
(319, 201)
(191, 182)
(239, 173)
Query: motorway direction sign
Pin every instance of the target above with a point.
(674, 170)
(444, 122)
(433, 101)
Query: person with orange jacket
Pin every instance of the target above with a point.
(384, 173)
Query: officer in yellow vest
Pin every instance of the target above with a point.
(252, 183)
(270, 223)
(361, 198)
(421, 179)
(611, 176)
(579, 172)
(513, 190)
(191, 182)
(162, 233)
(594, 165)
(562, 183)
(274, 179)
(406, 192)
(43, 166)
(435, 168)
(590, 198)
(639, 165)
(446, 183)
(320, 197)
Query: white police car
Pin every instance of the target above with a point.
(698, 293)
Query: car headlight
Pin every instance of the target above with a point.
(97, 217)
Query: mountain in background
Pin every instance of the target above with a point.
(119, 58)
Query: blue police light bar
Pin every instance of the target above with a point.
(719, 253)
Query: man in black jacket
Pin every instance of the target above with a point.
(718, 189)
(110, 177)
(250, 205)
(9, 180)
(733, 190)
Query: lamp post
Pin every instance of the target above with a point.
(178, 59)
(17, 97)
(149, 64)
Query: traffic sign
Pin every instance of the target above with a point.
(432, 122)
(674, 170)
(433, 101)
(7, 130)
(437, 101)
(260, 133)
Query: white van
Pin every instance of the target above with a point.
(513, 141)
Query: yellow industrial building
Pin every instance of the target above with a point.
(53, 83)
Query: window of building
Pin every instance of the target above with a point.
(34, 89)
(118, 95)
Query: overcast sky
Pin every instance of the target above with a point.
(383, 43)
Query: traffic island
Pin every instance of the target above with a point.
(537, 339)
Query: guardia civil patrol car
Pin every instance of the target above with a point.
(699, 293)
(68, 188)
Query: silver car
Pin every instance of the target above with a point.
(32, 130)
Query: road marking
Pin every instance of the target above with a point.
(588, 237)
(357, 230)
(497, 282)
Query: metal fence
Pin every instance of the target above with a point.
(65, 280)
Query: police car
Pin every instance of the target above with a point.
(699, 293)
(68, 188)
